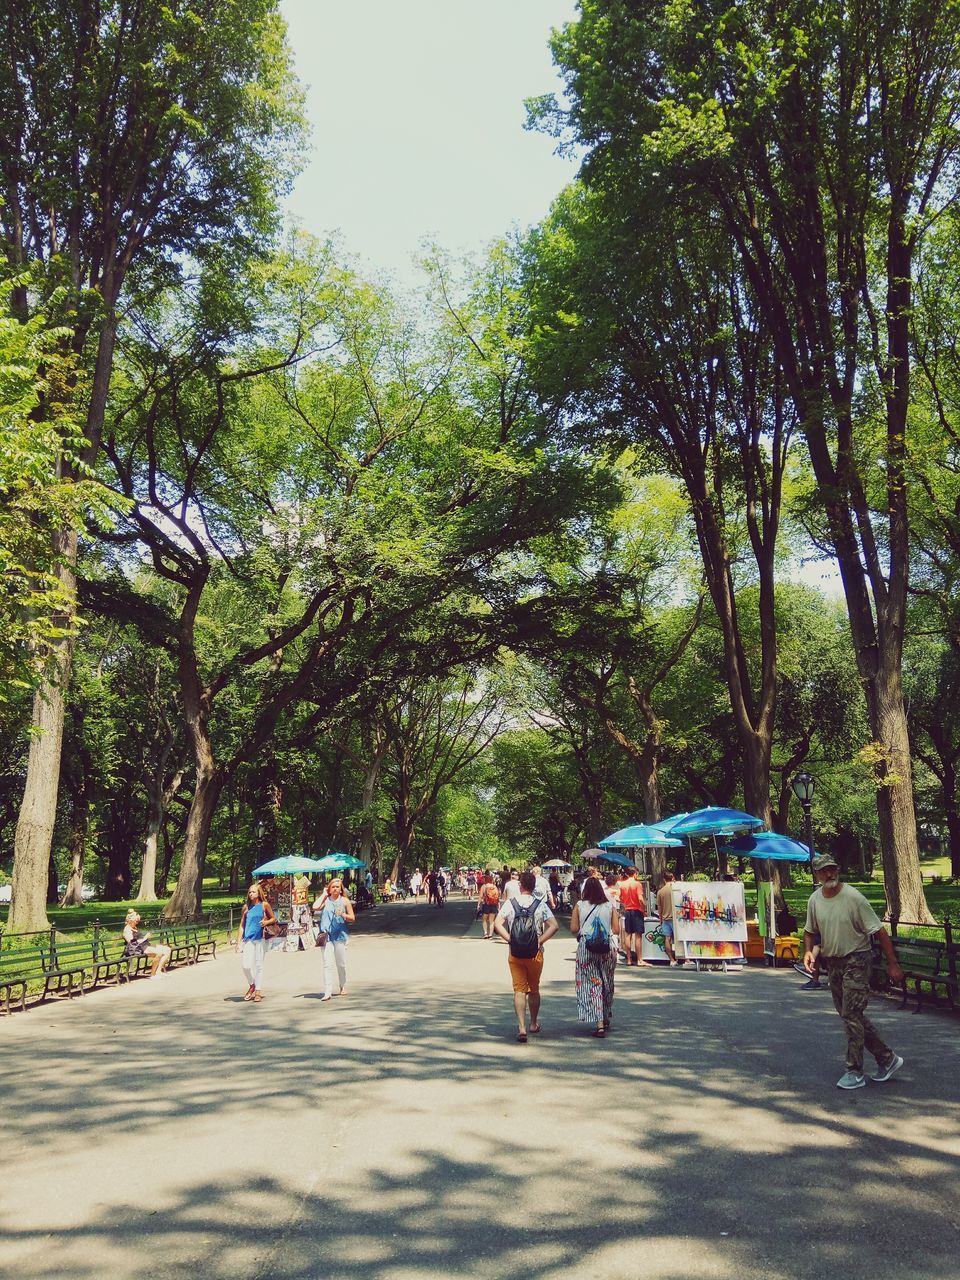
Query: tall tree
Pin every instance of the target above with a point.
(825, 135)
(157, 131)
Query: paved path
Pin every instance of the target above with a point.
(167, 1129)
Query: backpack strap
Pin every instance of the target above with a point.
(585, 919)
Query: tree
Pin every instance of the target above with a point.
(156, 132)
(825, 137)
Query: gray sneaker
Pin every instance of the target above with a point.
(811, 985)
(852, 1080)
(891, 1069)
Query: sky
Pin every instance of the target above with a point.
(416, 108)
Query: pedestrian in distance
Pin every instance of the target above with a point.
(136, 943)
(511, 886)
(336, 912)
(488, 905)
(526, 923)
(596, 923)
(846, 923)
(257, 914)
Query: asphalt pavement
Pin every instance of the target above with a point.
(168, 1129)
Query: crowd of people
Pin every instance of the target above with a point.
(608, 918)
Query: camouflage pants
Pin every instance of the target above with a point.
(850, 987)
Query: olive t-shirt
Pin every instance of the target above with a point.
(665, 901)
(845, 922)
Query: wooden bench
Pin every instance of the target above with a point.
(13, 985)
(926, 963)
(111, 961)
(64, 966)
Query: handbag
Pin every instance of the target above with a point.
(322, 937)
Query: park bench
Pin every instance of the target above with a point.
(204, 941)
(929, 966)
(13, 986)
(66, 966)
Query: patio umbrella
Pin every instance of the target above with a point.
(288, 865)
(557, 862)
(768, 844)
(606, 855)
(641, 835)
(713, 821)
(339, 862)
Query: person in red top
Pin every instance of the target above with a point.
(633, 907)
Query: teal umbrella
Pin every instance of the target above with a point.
(641, 836)
(288, 865)
(339, 862)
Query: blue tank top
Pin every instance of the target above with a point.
(253, 924)
(332, 920)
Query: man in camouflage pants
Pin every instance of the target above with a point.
(846, 922)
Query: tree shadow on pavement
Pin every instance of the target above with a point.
(703, 1138)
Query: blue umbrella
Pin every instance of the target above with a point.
(287, 865)
(617, 859)
(768, 844)
(713, 821)
(340, 862)
(641, 835)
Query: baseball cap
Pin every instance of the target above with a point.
(824, 860)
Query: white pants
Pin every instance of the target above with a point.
(252, 960)
(334, 952)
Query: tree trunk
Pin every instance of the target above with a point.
(899, 847)
(38, 812)
(368, 817)
(73, 894)
(185, 903)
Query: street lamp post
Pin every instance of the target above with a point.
(804, 785)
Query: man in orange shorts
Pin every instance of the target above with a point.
(526, 922)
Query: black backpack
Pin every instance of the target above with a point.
(524, 938)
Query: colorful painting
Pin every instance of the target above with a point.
(710, 950)
(709, 911)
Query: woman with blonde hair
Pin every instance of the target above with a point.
(251, 945)
(336, 912)
(135, 944)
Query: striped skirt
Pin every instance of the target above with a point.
(594, 977)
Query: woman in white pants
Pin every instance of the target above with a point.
(336, 912)
(250, 941)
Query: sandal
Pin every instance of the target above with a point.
(536, 1029)
(257, 997)
(600, 1032)
(250, 991)
(522, 1037)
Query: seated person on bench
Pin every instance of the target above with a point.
(136, 944)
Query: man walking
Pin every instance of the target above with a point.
(531, 916)
(633, 908)
(542, 889)
(846, 922)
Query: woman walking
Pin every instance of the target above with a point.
(596, 922)
(489, 905)
(251, 945)
(336, 912)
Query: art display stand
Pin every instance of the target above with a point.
(710, 923)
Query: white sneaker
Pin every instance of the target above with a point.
(852, 1080)
(891, 1069)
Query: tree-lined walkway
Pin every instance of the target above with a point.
(401, 1132)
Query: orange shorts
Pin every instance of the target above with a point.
(526, 973)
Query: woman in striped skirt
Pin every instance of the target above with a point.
(596, 922)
